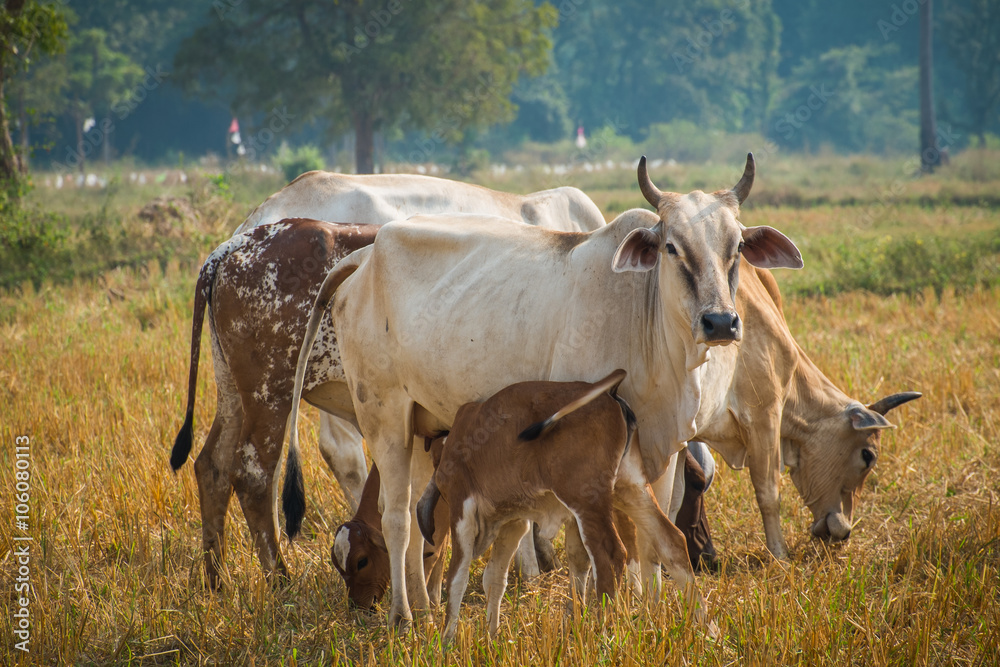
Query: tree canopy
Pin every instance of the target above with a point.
(441, 66)
(421, 81)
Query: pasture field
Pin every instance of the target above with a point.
(94, 373)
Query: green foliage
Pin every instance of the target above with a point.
(36, 28)
(440, 67)
(100, 77)
(685, 141)
(32, 243)
(220, 183)
(848, 99)
(912, 263)
(294, 162)
(633, 63)
(971, 32)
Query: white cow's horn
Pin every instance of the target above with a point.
(883, 406)
(649, 191)
(742, 189)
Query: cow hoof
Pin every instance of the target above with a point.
(400, 623)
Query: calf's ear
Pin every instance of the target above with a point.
(767, 248)
(639, 250)
(378, 541)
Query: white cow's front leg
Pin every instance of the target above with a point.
(421, 469)
(340, 445)
(664, 491)
(659, 540)
(393, 461)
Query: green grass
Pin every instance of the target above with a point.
(862, 222)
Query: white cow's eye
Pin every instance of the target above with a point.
(739, 249)
(671, 250)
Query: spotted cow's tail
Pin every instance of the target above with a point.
(538, 429)
(202, 296)
(293, 496)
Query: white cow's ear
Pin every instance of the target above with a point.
(639, 251)
(767, 248)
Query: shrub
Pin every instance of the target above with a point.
(294, 162)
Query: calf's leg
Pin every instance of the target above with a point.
(579, 560)
(495, 574)
(463, 540)
(597, 528)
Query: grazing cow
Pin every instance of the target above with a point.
(458, 307)
(360, 556)
(531, 450)
(778, 409)
(258, 288)
(377, 199)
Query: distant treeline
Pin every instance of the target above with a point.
(161, 82)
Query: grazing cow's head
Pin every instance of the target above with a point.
(830, 466)
(697, 246)
(360, 556)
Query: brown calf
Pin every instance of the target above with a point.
(259, 289)
(497, 481)
(360, 556)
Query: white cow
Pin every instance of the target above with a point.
(445, 310)
(377, 199)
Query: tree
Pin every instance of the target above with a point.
(971, 32)
(850, 98)
(99, 78)
(442, 67)
(930, 152)
(26, 27)
(632, 63)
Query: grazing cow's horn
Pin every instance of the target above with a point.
(742, 189)
(649, 191)
(883, 406)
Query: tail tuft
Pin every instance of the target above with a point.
(293, 497)
(425, 511)
(536, 430)
(182, 445)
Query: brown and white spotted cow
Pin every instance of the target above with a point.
(259, 288)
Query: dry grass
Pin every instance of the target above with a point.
(96, 373)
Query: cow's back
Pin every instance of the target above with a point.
(379, 198)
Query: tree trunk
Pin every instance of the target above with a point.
(79, 143)
(364, 143)
(24, 139)
(10, 175)
(930, 152)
